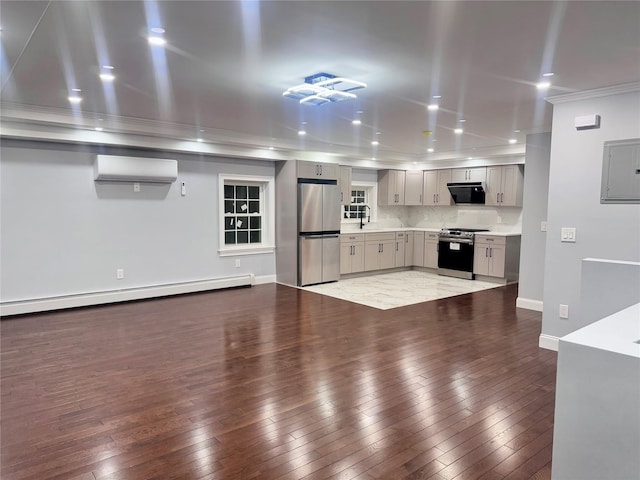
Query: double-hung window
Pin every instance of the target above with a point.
(362, 193)
(247, 224)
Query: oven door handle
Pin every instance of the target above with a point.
(457, 240)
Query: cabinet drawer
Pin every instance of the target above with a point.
(352, 238)
(380, 237)
(431, 237)
(400, 235)
(491, 239)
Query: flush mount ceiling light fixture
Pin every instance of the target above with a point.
(324, 88)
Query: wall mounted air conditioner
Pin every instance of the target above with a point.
(134, 169)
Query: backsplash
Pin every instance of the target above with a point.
(453, 216)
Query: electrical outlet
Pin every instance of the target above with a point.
(499, 219)
(564, 311)
(543, 226)
(237, 263)
(568, 235)
(120, 273)
(136, 187)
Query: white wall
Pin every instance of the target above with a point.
(536, 191)
(603, 231)
(64, 234)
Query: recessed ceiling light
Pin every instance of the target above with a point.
(301, 132)
(76, 89)
(437, 96)
(543, 85)
(271, 148)
(157, 41)
(99, 129)
(516, 131)
(377, 133)
(469, 158)
(107, 77)
(202, 129)
(75, 99)
(550, 74)
(433, 107)
(107, 67)
(373, 158)
(430, 150)
(512, 141)
(462, 120)
(375, 143)
(303, 123)
(458, 131)
(356, 122)
(158, 30)
(200, 140)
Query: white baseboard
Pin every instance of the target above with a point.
(262, 279)
(529, 304)
(99, 298)
(549, 342)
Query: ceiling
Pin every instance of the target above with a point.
(225, 66)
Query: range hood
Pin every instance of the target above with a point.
(467, 193)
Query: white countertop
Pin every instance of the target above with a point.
(616, 333)
(430, 230)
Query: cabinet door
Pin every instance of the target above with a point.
(496, 261)
(418, 249)
(443, 194)
(345, 258)
(413, 188)
(400, 179)
(481, 258)
(478, 174)
(329, 171)
(345, 185)
(388, 254)
(459, 175)
(357, 259)
(511, 185)
(387, 187)
(408, 248)
(431, 252)
(494, 184)
(400, 250)
(308, 170)
(372, 256)
(430, 187)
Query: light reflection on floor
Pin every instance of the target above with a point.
(398, 289)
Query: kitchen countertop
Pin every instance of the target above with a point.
(430, 230)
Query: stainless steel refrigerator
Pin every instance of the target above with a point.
(318, 232)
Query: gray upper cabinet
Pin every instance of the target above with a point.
(621, 172)
(504, 186)
(477, 174)
(391, 187)
(413, 188)
(435, 191)
(345, 185)
(313, 170)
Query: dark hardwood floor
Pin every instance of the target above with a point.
(274, 382)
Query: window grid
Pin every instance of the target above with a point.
(242, 214)
(358, 196)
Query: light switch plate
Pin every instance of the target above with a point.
(568, 235)
(543, 226)
(564, 311)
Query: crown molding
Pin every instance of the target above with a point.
(596, 93)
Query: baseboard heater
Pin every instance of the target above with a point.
(98, 298)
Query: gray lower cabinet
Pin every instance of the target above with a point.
(379, 251)
(418, 249)
(497, 256)
(401, 247)
(351, 253)
(430, 250)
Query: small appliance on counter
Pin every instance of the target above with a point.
(455, 252)
(318, 231)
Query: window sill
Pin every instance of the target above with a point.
(231, 252)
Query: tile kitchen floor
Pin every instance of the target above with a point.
(398, 289)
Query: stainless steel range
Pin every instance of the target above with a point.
(455, 251)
